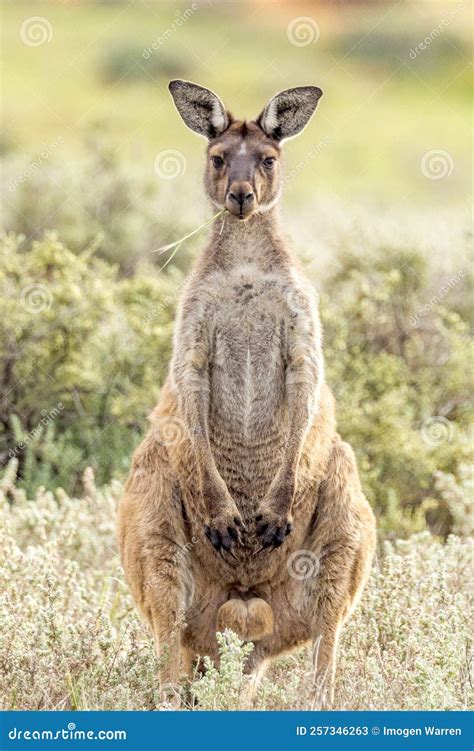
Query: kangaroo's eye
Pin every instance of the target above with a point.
(269, 162)
(217, 161)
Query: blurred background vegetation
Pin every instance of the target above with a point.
(376, 204)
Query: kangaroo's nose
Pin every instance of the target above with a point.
(240, 199)
(241, 196)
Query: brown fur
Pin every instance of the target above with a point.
(251, 619)
(243, 508)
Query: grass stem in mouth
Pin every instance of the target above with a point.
(177, 244)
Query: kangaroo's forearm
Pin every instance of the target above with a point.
(193, 392)
(194, 403)
(300, 418)
(303, 389)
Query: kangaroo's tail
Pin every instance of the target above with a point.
(250, 619)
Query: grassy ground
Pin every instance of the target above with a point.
(71, 638)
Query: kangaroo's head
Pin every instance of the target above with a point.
(243, 171)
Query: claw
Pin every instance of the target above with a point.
(223, 539)
(232, 555)
(280, 536)
(235, 535)
(272, 534)
(214, 536)
(242, 527)
(226, 542)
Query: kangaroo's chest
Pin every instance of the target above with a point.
(248, 330)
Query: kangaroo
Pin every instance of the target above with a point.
(243, 508)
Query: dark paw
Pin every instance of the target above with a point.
(224, 536)
(272, 530)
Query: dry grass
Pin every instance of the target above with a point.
(71, 637)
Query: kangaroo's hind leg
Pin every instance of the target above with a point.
(342, 538)
(152, 544)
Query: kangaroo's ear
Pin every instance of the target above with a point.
(201, 109)
(289, 112)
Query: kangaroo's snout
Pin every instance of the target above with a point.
(240, 199)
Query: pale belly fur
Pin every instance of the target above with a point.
(248, 417)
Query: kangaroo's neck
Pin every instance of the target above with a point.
(257, 241)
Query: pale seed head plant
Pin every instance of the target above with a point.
(70, 637)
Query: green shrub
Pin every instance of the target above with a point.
(84, 353)
(100, 200)
(398, 368)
